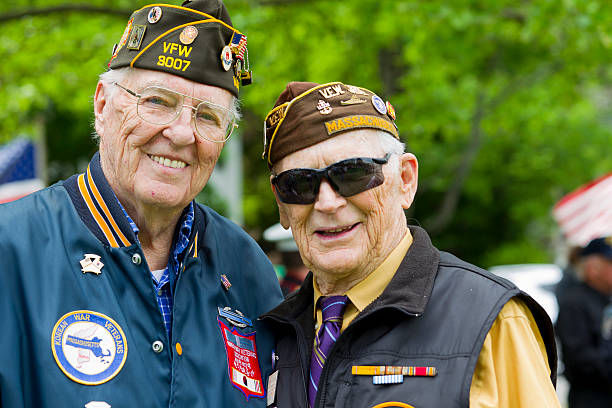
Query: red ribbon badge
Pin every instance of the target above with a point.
(242, 364)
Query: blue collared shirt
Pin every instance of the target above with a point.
(163, 286)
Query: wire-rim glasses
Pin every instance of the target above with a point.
(159, 106)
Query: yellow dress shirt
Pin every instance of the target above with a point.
(512, 369)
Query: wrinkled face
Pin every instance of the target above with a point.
(346, 238)
(164, 166)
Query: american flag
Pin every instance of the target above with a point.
(239, 43)
(18, 170)
(586, 213)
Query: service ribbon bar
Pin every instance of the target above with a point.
(387, 379)
(395, 370)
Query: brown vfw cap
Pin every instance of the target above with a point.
(307, 113)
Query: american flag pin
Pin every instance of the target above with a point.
(225, 282)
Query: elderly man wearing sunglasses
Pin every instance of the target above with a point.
(385, 319)
(117, 289)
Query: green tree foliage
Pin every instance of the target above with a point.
(506, 104)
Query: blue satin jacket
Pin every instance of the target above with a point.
(80, 323)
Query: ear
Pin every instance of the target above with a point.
(282, 211)
(409, 175)
(99, 104)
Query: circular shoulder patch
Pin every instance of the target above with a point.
(89, 347)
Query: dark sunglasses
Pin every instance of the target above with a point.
(347, 177)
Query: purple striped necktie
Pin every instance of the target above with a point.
(332, 308)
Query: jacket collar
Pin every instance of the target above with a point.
(409, 290)
(98, 206)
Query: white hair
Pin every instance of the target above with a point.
(112, 76)
(390, 144)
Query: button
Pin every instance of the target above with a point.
(159, 292)
(136, 259)
(179, 349)
(157, 346)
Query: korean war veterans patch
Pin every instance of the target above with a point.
(89, 347)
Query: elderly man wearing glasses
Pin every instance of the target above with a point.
(385, 319)
(116, 288)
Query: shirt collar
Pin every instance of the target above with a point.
(364, 293)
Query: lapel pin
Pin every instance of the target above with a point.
(235, 317)
(225, 282)
(91, 263)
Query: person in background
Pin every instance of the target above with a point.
(584, 327)
(569, 278)
(117, 289)
(293, 270)
(385, 319)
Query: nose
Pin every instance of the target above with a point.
(181, 131)
(328, 200)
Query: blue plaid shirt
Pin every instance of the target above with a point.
(163, 287)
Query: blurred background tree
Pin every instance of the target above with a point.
(506, 104)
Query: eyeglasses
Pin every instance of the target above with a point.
(161, 106)
(347, 177)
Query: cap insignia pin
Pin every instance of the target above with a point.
(91, 263)
(154, 15)
(246, 78)
(356, 90)
(379, 105)
(324, 107)
(136, 36)
(354, 100)
(188, 35)
(390, 110)
(124, 38)
(226, 57)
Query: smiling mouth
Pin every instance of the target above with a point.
(164, 161)
(334, 232)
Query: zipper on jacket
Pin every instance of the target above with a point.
(301, 347)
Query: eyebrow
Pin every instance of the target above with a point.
(162, 85)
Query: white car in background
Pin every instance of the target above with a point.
(538, 280)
